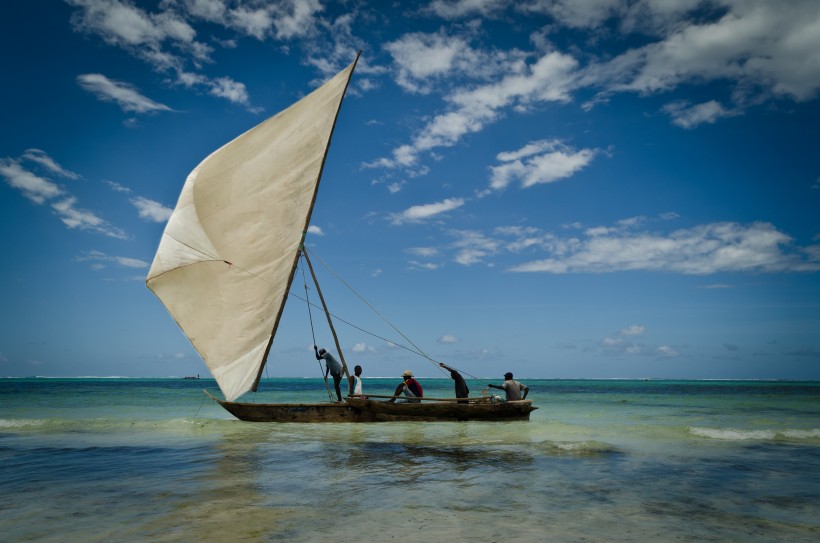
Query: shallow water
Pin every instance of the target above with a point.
(153, 459)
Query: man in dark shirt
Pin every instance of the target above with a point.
(461, 386)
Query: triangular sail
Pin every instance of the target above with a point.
(227, 256)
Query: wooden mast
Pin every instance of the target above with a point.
(327, 314)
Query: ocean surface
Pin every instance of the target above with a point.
(133, 460)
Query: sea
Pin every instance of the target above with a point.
(134, 460)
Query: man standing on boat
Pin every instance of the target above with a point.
(356, 382)
(410, 387)
(461, 386)
(333, 367)
(512, 388)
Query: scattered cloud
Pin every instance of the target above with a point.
(416, 265)
(227, 88)
(457, 9)
(167, 42)
(470, 109)
(315, 230)
(150, 210)
(629, 246)
(689, 116)
(122, 94)
(83, 219)
(543, 161)
(620, 346)
(99, 260)
(426, 211)
(474, 247)
(35, 188)
(447, 339)
(424, 61)
(634, 330)
(763, 51)
(116, 187)
(41, 190)
(363, 348)
(41, 157)
(701, 250)
(422, 251)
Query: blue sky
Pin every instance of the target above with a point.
(586, 188)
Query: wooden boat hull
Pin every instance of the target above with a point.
(364, 410)
(444, 411)
(292, 412)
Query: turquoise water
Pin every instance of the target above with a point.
(154, 460)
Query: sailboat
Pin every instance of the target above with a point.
(228, 255)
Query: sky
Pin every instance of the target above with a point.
(557, 188)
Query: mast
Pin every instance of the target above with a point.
(301, 244)
(327, 314)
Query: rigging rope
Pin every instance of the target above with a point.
(418, 350)
(312, 332)
(399, 345)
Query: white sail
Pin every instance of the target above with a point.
(226, 259)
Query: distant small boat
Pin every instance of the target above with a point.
(191, 377)
(228, 255)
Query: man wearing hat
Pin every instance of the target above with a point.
(512, 388)
(409, 387)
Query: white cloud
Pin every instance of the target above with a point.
(549, 79)
(420, 56)
(116, 187)
(151, 210)
(474, 247)
(701, 250)
(760, 50)
(363, 348)
(543, 161)
(574, 13)
(422, 251)
(295, 18)
(634, 330)
(99, 258)
(456, 9)
(83, 219)
(33, 187)
(446, 339)
(150, 36)
(425, 59)
(416, 265)
(763, 48)
(121, 23)
(40, 190)
(666, 351)
(422, 212)
(122, 94)
(689, 116)
(315, 230)
(623, 347)
(227, 88)
(284, 20)
(41, 157)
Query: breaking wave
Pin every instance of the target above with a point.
(733, 434)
